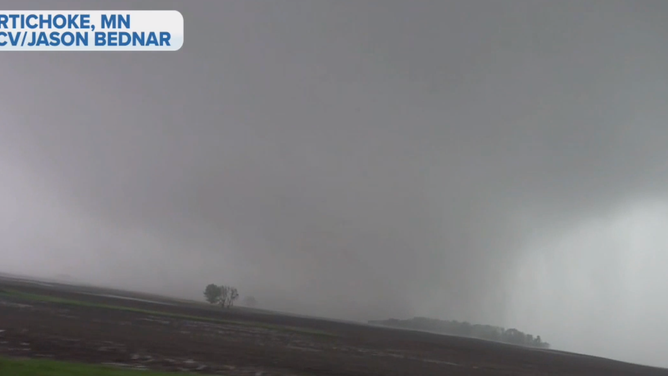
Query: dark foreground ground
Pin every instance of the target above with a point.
(68, 323)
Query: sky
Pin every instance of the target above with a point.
(498, 162)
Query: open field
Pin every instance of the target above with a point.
(138, 331)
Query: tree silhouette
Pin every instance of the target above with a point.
(212, 293)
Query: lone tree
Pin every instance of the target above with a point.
(223, 295)
(213, 293)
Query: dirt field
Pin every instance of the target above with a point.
(46, 321)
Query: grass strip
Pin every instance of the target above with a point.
(42, 367)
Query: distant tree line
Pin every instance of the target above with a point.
(250, 302)
(465, 329)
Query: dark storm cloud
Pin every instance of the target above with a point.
(354, 159)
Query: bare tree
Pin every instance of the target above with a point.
(228, 296)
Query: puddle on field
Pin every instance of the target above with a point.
(156, 320)
(7, 303)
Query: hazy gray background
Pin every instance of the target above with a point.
(503, 162)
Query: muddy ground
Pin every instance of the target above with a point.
(254, 343)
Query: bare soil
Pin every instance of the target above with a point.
(255, 343)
